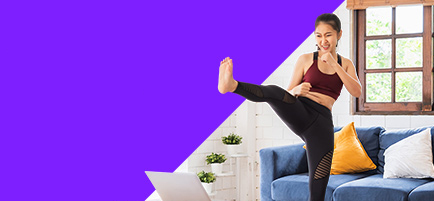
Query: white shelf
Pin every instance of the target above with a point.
(225, 174)
(234, 172)
(239, 155)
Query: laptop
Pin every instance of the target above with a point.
(178, 186)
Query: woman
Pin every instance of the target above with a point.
(305, 107)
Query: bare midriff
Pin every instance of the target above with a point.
(320, 98)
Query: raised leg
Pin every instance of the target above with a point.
(290, 110)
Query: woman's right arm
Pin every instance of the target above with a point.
(295, 87)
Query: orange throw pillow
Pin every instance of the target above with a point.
(349, 156)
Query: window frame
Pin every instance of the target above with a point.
(359, 106)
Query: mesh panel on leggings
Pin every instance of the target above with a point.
(288, 98)
(253, 89)
(323, 168)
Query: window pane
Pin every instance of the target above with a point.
(378, 21)
(378, 88)
(409, 19)
(378, 53)
(408, 87)
(409, 52)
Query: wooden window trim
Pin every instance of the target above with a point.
(359, 107)
(363, 4)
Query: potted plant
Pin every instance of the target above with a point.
(233, 143)
(216, 161)
(207, 179)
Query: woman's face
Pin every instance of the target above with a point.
(326, 37)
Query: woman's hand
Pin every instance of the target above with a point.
(329, 60)
(301, 90)
(327, 57)
(348, 76)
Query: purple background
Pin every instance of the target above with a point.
(96, 93)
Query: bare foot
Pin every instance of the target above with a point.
(226, 79)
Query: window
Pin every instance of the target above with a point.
(393, 56)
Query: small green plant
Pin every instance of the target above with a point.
(215, 158)
(232, 139)
(206, 177)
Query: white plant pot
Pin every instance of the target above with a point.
(233, 149)
(207, 187)
(217, 168)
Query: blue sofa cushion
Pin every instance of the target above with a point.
(423, 192)
(390, 137)
(369, 136)
(296, 187)
(376, 188)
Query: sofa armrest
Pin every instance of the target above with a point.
(276, 162)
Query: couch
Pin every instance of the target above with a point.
(284, 173)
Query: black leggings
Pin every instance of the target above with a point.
(306, 118)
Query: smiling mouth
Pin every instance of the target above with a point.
(325, 47)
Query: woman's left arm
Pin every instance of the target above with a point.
(348, 77)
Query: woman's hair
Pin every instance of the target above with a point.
(330, 19)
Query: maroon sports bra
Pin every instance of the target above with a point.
(327, 84)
